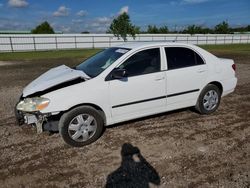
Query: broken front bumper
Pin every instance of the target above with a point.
(19, 117)
(30, 119)
(43, 122)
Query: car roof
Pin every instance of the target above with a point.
(136, 45)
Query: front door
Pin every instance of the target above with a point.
(143, 90)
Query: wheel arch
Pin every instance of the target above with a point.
(218, 84)
(98, 108)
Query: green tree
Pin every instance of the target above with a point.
(222, 28)
(163, 29)
(240, 29)
(192, 29)
(122, 26)
(43, 28)
(206, 30)
(152, 29)
(137, 30)
(248, 28)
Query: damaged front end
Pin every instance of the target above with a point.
(27, 112)
(42, 122)
(32, 103)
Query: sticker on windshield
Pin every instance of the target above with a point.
(122, 51)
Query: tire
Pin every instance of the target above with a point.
(81, 126)
(209, 99)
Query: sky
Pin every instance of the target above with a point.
(75, 16)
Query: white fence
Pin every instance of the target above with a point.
(29, 42)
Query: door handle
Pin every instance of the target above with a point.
(201, 70)
(160, 78)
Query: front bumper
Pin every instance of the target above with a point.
(30, 119)
(43, 122)
(19, 116)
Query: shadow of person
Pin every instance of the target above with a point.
(134, 171)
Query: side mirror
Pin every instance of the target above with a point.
(118, 73)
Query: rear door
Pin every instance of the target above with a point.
(185, 76)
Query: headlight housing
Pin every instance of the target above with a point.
(33, 104)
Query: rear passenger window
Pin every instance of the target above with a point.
(178, 57)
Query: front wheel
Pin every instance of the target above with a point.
(209, 99)
(81, 126)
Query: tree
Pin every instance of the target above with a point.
(122, 26)
(206, 30)
(248, 28)
(137, 29)
(152, 29)
(155, 30)
(240, 29)
(163, 29)
(222, 28)
(43, 28)
(192, 29)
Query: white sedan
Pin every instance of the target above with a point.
(121, 83)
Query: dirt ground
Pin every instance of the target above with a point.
(177, 149)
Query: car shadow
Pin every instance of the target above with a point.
(134, 171)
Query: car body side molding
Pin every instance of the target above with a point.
(141, 101)
(182, 93)
(156, 98)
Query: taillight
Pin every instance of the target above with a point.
(234, 67)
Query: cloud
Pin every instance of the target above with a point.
(82, 13)
(77, 20)
(79, 24)
(62, 11)
(15, 24)
(18, 3)
(194, 1)
(123, 10)
(66, 29)
(104, 20)
(99, 25)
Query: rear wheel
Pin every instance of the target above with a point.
(81, 126)
(209, 99)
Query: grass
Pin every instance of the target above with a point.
(28, 56)
(237, 49)
(228, 48)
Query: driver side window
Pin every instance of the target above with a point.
(143, 62)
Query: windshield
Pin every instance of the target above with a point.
(102, 60)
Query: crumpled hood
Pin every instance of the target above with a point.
(53, 77)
